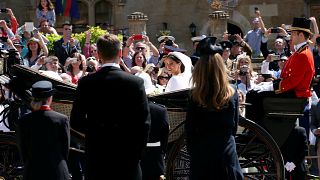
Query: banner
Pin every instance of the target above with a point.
(68, 8)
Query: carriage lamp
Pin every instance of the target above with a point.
(193, 29)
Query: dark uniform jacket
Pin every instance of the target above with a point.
(44, 138)
(152, 163)
(111, 108)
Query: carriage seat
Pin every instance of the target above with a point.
(281, 115)
(284, 107)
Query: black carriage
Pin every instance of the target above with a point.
(257, 147)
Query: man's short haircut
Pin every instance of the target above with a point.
(108, 46)
(66, 23)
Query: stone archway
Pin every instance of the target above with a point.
(239, 21)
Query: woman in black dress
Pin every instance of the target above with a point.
(212, 118)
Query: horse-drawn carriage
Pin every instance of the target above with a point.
(257, 147)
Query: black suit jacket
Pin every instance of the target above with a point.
(44, 138)
(63, 53)
(116, 129)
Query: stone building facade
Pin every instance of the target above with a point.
(174, 15)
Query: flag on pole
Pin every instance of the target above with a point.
(68, 8)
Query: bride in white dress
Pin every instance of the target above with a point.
(180, 67)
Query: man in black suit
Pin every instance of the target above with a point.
(44, 137)
(67, 45)
(152, 162)
(116, 131)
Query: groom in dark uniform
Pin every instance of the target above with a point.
(111, 109)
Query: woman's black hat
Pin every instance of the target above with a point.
(207, 46)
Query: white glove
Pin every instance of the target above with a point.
(263, 86)
(290, 166)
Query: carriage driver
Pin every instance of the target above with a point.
(295, 81)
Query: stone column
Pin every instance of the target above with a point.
(218, 23)
(137, 23)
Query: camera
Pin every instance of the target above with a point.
(3, 10)
(169, 43)
(243, 70)
(275, 30)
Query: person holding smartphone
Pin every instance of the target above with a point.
(256, 36)
(139, 42)
(67, 45)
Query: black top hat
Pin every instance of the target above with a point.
(301, 24)
(226, 45)
(42, 89)
(207, 46)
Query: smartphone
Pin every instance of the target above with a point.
(137, 37)
(29, 26)
(275, 30)
(69, 34)
(4, 10)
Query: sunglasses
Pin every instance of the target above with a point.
(92, 51)
(140, 48)
(164, 77)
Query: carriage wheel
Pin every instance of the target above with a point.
(11, 165)
(259, 155)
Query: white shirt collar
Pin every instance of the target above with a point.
(110, 64)
(296, 47)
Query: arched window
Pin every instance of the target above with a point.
(103, 10)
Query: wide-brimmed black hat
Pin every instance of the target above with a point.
(42, 89)
(301, 24)
(207, 46)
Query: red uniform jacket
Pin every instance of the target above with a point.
(297, 73)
